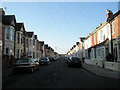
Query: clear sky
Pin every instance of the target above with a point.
(60, 24)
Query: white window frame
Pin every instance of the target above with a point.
(12, 33)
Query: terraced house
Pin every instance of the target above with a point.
(8, 41)
(26, 43)
(19, 40)
(16, 42)
(9, 22)
(36, 48)
(41, 48)
(30, 43)
(102, 43)
(45, 53)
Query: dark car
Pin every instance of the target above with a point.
(44, 60)
(29, 64)
(67, 59)
(52, 59)
(74, 61)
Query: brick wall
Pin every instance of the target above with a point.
(116, 27)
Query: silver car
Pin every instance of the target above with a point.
(29, 64)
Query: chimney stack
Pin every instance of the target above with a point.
(109, 13)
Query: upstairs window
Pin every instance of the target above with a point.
(18, 38)
(7, 36)
(21, 38)
(12, 35)
(7, 33)
(33, 41)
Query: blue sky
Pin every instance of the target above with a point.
(60, 24)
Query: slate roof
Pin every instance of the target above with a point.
(7, 20)
(30, 34)
(46, 45)
(74, 46)
(77, 43)
(18, 26)
(41, 42)
(35, 36)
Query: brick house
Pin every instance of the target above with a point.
(46, 50)
(103, 40)
(36, 48)
(41, 53)
(19, 40)
(30, 36)
(114, 23)
(26, 43)
(8, 40)
(98, 43)
(9, 22)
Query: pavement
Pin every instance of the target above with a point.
(90, 68)
(96, 70)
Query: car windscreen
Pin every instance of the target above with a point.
(25, 60)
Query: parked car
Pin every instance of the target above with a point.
(29, 64)
(67, 59)
(52, 59)
(44, 60)
(74, 61)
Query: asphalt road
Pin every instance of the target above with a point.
(58, 75)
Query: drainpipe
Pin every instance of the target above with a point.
(110, 22)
